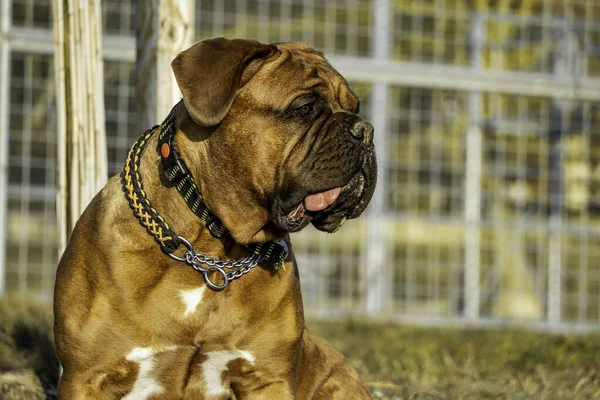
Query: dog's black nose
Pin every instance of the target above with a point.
(362, 130)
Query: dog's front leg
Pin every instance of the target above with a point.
(324, 374)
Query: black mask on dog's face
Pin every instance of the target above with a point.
(331, 172)
(336, 178)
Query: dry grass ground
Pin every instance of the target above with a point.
(28, 366)
(397, 362)
(400, 362)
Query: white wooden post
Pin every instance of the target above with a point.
(79, 82)
(164, 29)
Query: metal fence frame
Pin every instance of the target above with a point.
(382, 72)
(5, 28)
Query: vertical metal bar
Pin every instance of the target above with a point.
(473, 180)
(5, 14)
(378, 280)
(555, 219)
(557, 127)
(555, 239)
(24, 259)
(584, 259)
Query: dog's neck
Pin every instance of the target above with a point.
(170, 205)
(219, 185)
(168, 202)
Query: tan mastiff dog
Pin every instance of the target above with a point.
(271, 140)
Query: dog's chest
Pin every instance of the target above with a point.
(177, 371)
(204, 341)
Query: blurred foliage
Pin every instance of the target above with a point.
(403, 362)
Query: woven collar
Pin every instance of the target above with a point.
(177, 173)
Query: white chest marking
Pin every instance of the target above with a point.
(144, 386)
(214, 366)
(191, 298)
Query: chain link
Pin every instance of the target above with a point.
(205, 264)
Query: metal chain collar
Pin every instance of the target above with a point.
(205, 264)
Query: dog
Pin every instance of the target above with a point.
(202, 301)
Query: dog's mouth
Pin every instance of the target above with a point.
(314, 202)
(328, 209)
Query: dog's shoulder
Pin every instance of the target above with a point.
(81, 253)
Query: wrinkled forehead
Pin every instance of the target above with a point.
(299, 68)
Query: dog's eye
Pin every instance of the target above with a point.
(304, 110)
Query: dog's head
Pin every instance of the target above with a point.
(276, 141)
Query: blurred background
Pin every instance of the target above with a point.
(487, 118)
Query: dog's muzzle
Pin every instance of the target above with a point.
(341, 180)
(354, 196)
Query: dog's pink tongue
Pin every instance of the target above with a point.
(320, 201)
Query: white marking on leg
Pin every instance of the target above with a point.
(191, 298)
(145, 385)
(214, 366)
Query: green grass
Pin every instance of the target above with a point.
(401, 362)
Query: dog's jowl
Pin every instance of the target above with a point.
(179, 281)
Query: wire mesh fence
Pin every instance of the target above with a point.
(487, 117)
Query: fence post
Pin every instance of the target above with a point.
(565, 66)
(378, 275)
(473, 180)
(79, 83)
(164, 28)
(5, 14)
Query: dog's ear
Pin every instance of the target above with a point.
(210, 72)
